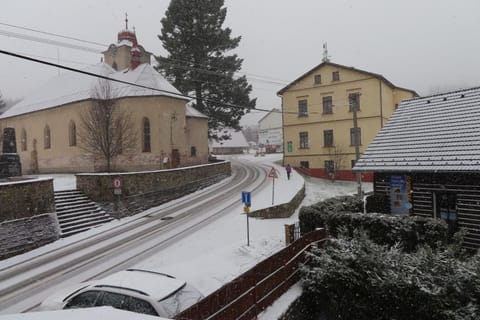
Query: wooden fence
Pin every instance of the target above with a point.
(250, 293)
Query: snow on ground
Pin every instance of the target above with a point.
(217, 253)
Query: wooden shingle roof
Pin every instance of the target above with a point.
(434, 133)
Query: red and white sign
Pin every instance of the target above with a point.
(273, 173)
(117, 183)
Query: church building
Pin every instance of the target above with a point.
(48, 123)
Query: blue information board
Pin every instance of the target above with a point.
(246, 198)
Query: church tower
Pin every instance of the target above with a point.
(126, 53)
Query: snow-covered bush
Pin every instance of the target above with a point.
(355, 278)
(342, 214)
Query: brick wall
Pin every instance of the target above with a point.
(143, 190)
(26, 198)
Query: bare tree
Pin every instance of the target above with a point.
(339, 156)
(107, 131)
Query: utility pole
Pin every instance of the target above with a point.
(355, 102)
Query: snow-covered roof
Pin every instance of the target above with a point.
(193, 113)
(155, 285)
(273, 111)
(434, 133)
(72, 87)
(237, 139)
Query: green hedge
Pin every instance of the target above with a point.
(354, 278)
(342, 214)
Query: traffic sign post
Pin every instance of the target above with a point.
(273, 174)
(247, 202)
(117, 190)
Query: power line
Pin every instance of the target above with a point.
(51, 64)
(47, 41)
(181, 63)
(53, 34)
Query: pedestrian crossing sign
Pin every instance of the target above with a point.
(273, 173)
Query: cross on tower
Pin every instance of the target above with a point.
(126, 21)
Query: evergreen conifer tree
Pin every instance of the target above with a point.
(197, 62)
(3, 104)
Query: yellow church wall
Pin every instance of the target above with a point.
(197, 135)
(167, 133)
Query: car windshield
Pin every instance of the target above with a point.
(180, 300)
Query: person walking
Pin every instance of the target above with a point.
(289, 170)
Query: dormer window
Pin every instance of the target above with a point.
(335, 76)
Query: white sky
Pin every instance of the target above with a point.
(424, 45)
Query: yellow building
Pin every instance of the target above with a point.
(318, 117)
(47, 123)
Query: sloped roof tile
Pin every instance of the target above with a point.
(434, 133)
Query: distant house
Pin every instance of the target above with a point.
(237, 144)
(270, 133)
(427, 160)
(319, 132)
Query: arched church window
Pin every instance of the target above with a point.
(72, 133)
(146, 135)
(46, 137)
(23, 142)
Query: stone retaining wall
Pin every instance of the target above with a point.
(143, 190)
(21, 235)
(26, 216)
(281, 211)
(26, 198)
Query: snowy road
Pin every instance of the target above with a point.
(25, 283)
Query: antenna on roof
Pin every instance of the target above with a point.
(326, 57)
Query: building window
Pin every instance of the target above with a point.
(354, 101)
(329, 166)
(193, 151)
(303, 140)
(318, 79)
(335, 76)
(46, 137)
(302, 108)
(24, 140)
(304, 164)
(327, 105)
(355, 139)
(328, 138)
(146, 135)
(72, 133)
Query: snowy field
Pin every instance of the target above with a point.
(218, 252)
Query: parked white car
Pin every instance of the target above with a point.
(140, 291)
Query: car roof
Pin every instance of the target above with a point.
(154, 284)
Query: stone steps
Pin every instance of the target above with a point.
(76, 213)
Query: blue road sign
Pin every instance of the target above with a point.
(246, 199)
